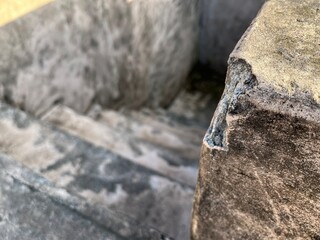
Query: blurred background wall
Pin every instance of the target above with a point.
(222, 22)
(115, 53)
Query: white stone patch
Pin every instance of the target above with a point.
(63, 175)
(161, 184)
(104, 197)
(152, 161)
(82, 20)
(103, 165)
(19, 143)
(178, 206)
(89, 130)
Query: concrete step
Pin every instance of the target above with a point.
(29, 200)
(170, 150)
(96, 174)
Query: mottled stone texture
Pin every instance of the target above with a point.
(111, 53)
(31, 208)
(98, 174)
(260, 166)
(170, 151)
(222, 24)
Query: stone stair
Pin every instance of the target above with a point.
(171, 151)
(33, 208)
(139, 164)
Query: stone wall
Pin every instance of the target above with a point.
(222, 24)
(111, 53)
(115, 53)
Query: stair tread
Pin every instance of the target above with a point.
(98, 175)
(157, 147)
(28, 199)
(141, 123)
(181, 140)
(190, 109)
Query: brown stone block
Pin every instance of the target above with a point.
(260, 167)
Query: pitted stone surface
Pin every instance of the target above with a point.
(32, 208)
(97, 174)
(285, 38)
(113, 53)
(259, 172)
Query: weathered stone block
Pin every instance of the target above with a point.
(260, 168)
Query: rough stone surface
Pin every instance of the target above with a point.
(96, 174)
(192, 109)
(222, 22)
(286, 39)
(32, 208)
(166, 141)
(170, 151)
(114, 53)
(260, 169)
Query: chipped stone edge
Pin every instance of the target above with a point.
(240, 80)
(304, 106)
(116, 222)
